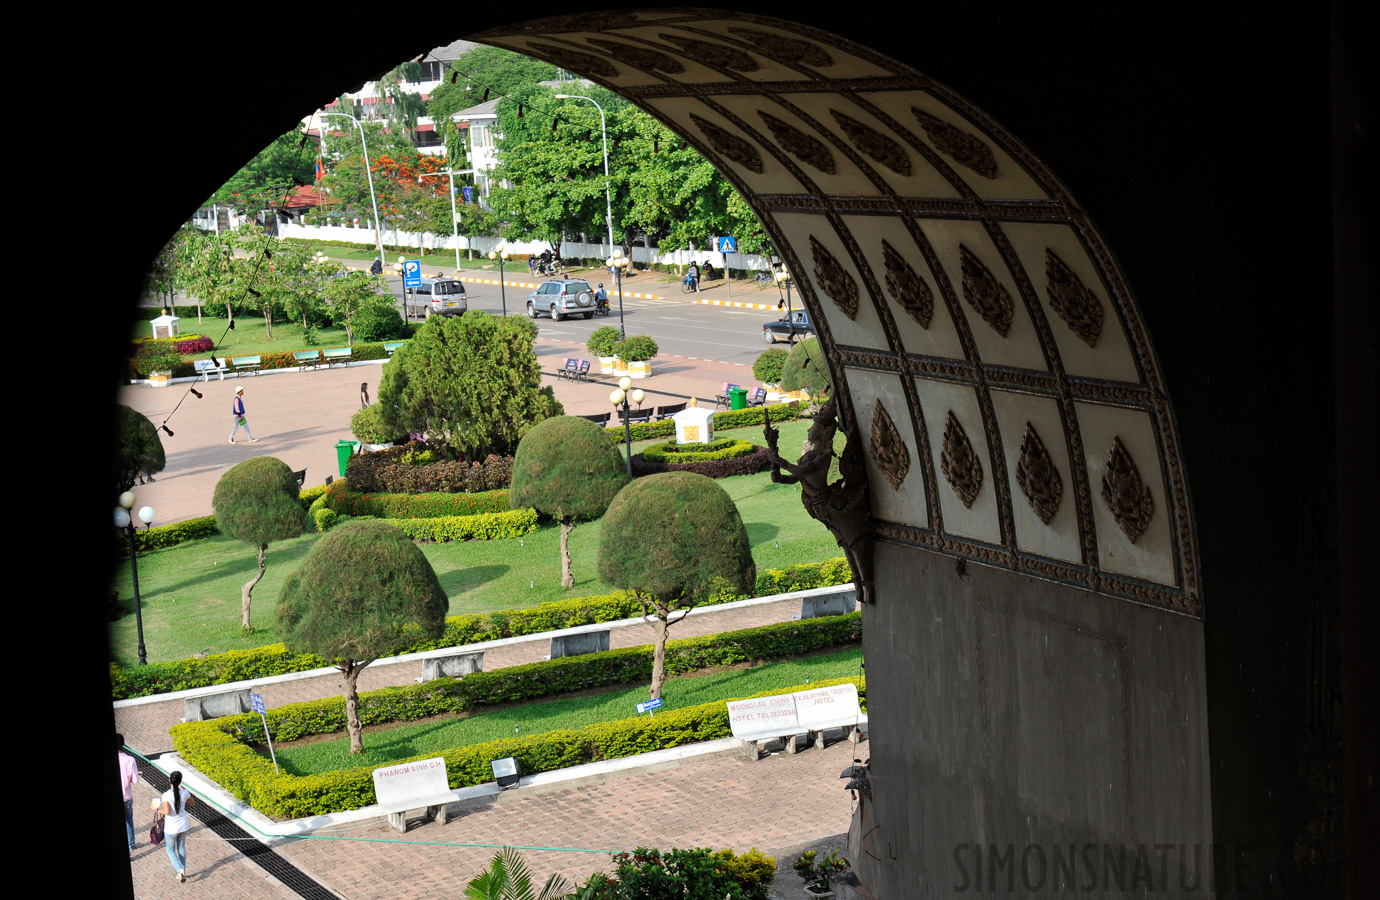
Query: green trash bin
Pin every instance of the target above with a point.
(737, 398)
(343, 451)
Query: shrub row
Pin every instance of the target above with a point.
(430, 505)
(483, 527)
(720, 448)
(162, 536)
(754, 462)
(384, 472)
(728, 418)
(238, 665)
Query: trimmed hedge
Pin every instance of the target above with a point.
(219, 748)
(430, 505)
(754, 462)
(485, 527)
(385, 471)
(238, 665)
(720, 448)
(728, 418)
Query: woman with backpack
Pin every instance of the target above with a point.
(176, 824)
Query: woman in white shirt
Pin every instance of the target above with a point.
(175, 825)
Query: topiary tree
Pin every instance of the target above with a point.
(567, 469)
(768, 366)
(256, 502)
(805, 370)
(674, 539)
(364, 591)
(470, 383)
(138, 449)
(602, 340)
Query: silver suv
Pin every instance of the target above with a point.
(437, 296)
(562, 297)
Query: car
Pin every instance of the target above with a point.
(796, 325)
(562, 297)
(437, 297)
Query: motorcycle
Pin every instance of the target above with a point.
(601, 306)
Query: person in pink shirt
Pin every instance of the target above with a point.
(129, 777)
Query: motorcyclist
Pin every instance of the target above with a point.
(694, 276)
(601, 299)
(546, 261)
(377, 267)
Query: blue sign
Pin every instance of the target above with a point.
(412, 273)
(728, 245)
(256, 702)
(649, 705)
(469, 194)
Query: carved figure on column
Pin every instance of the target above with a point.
(843, 507)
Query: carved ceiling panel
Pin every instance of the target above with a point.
(996, 369)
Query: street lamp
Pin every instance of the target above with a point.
(501, 254)
(378, 236)
(783, 279)
(454, 217)
(619, 398)
(603, 126)
(618, 264)
(125, 522)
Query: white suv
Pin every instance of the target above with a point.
(562, 297)
(437, 297)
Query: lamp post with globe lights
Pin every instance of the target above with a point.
(618, 265)
(501, 254)
(124, 521)
(619, 398)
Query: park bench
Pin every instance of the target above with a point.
(581, 373)
(456, 665)
(584, 639)
(246, 364)
(665, 412)
(337, 356)
(797, 720)
(634, 416)
(598, 418)
(722, 398)
(391, 347)
(757, 397)
(213, 706)
(307, 359)
(568, 368)
(414, 785)
(204, 367)
(840, 603)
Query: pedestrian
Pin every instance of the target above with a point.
(129, 777)
(364, 395)
(237, 413)
(175, 826)
(377, 267)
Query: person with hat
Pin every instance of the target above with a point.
(237, 414)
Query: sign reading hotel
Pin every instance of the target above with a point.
(814, 710)
(747, 717)
(405, 781)
(824, 707)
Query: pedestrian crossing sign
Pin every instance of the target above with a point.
(728, 244)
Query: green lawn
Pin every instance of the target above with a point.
(387, 746)
(191, 592)
(250, 337)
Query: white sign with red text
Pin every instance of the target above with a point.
(407, 782)
(761, 714)
(827, 707)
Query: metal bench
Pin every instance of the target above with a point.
(722, 398)
(634, 416)
(598, 418)
(246, 364)
(757, 397)
(307, 359)
(391, 347)
(665, 412)
(204, 367)
(568, 368)
(582, 372)
(338, 356)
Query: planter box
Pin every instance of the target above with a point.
(619, 367)
(606, 365)
(160, 379)
(639, 369)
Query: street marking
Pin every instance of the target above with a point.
(736, 303)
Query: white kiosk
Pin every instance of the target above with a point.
(694, 425)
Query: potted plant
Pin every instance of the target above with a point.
(818, 872)
(157, 360)
(636, 354)
(601, 344)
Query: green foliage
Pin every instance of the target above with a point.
(675, 536)
(414, 506)
(470, 383)
(354, 297)
(414, 468)
(721, 448)
(508, 879)
(637, 348)
(368, 425)
(567, 469)
(601, 342)
(363, 591)
(697, 874)
(256, 502)
(805, 369)
(484, 527)
(325, 518)
(263, 182)
(378, 320)
(138, 449)
(819, 872)
(768, 366)
(736, 418)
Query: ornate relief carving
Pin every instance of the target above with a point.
(1037, 476)
(730, 145)
(985, 294)
(585, 21)
(909, 289)
(574, 60)
(642, 57)
(720, 56)
(1075, 303)
(964, 148)
(959, 462)
(1125, 493)
(889, 451)
(834, 279)
(875, 144)
(784, 49)
(799, 143)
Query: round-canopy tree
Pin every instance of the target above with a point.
(256, 502)
(805, 369)
(567, 469)
(674, 539)
(364, 591)
(138, 449)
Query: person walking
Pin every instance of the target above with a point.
(176, 825)
(364, 395)
(237, 413)
(129, 777)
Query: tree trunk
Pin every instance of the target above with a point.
(659, 628)
(352, 668)
(268, 324)
(567, 526)
(248, 589)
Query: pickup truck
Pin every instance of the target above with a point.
(788, 329)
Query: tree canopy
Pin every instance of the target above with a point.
(138, 448)
(805, 369)
(363, 591)
(471, 383)
(256, 502)
(262, 182)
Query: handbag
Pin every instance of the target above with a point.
(156, 832)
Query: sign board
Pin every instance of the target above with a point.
(412, 273)
(728, 244)
(406, 783)
(761, 714)
(469, 193)
(649, 705)
(824, 707)
(256, 703)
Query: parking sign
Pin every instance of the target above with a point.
(412, 273)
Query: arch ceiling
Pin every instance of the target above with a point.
(992, 359)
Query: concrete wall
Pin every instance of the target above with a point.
(1030, 716)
